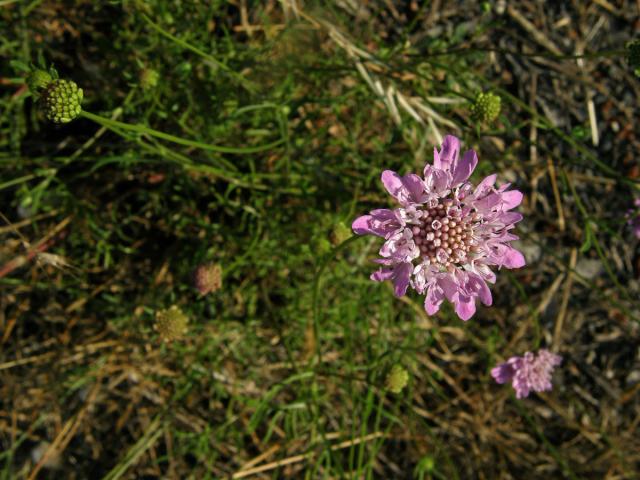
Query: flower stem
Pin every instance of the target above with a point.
(210, 58)
(142, 129)
(316, 289)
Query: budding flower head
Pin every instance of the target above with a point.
(171, 323)
(397, 379)
(486, 107)
(208, 278)
(61, 101)
(633, 55)
(149, 78)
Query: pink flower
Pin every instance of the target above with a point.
(528, 373)
(446, 234)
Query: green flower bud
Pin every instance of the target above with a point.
(397, 379)
(171, 324)
(38, 80)
(208, 278)
(633, 55)
(61, 101)
(149, 78)
(486, 107)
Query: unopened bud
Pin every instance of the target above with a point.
(486, 107)
(61, 101)
(149, 78)
(171, 323)
(397, 379)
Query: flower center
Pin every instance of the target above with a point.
(443, 235)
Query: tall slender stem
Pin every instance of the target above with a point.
(142, 129)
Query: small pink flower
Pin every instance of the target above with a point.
(528, 373)
(447, 233)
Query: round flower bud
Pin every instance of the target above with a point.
(61, 101)
(38, 80)
(171, 323)
(397, 379)
(486, 107)
(633, 55)
(149, 78)
(208, 278)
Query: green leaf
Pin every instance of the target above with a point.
(586, 245)
(19, 66)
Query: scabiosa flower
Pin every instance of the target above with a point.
(207, 278)
(446, 234)
(528, 373)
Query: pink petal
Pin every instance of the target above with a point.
(465, 167)
(512, 258)
(503, 373)
(380, 222)
(449, 286)
(448, 154)
(509, 218)
(433, 299)
(511, 199)
(407, 189)
(436, 180)
(401, 276)
(382, 275)
(465, 307)
(485, 185)
(361, 225)
(392, 182)
(477, 284)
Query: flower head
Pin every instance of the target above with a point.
(149, 78)
(486, 107)
(397, 379)
(61, 101)
(171, 324)
(208, 278)
(528, 373)
(446, 234)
